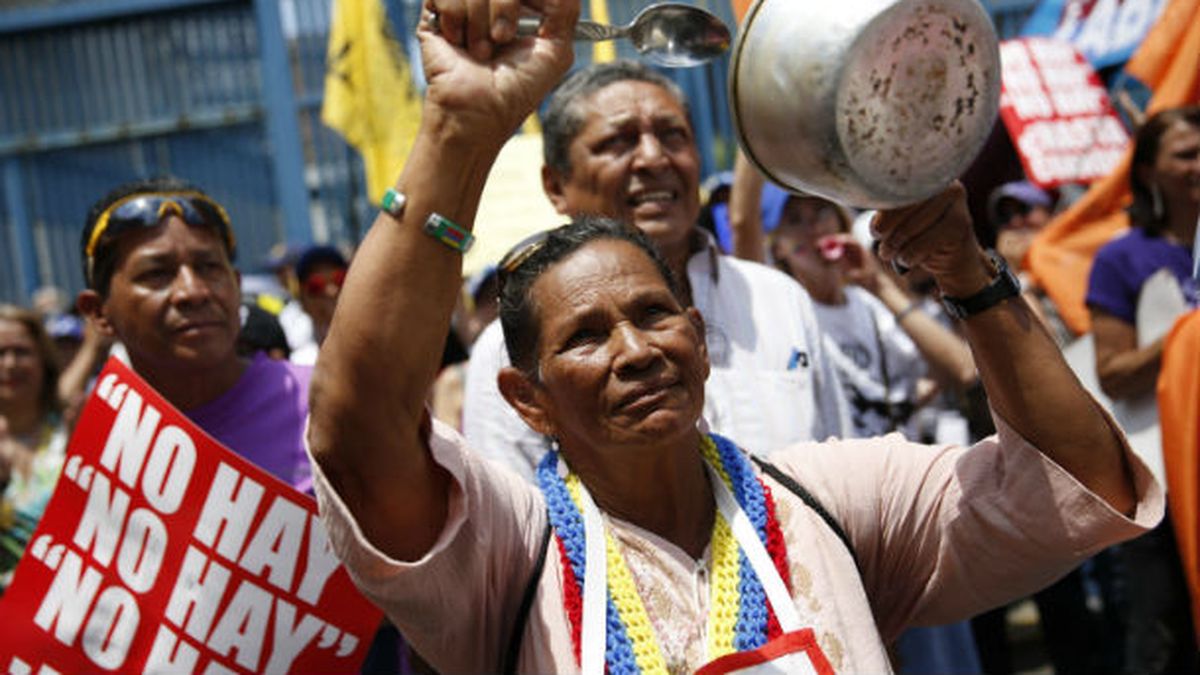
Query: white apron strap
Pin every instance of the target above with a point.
(756, 553)
(593, 638)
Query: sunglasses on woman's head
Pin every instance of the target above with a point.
(148, 209)
(525, 249)
(519, 253)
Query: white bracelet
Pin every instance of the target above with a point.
(912, 307)
(393, 202)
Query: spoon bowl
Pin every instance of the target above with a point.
(677, 35)
(669, 34)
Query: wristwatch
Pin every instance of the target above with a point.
(1004, 286)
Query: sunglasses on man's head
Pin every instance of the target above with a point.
(317, 282)
(148, 209)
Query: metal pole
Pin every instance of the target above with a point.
(283, 131)
(20, 230)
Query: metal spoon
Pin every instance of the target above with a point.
(668, 34)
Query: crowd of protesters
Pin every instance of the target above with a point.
(816, 328)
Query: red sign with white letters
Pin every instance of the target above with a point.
(1058, 113)
(162, 551)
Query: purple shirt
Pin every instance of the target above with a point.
(1123, 265)
(262, 419)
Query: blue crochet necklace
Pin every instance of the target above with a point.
(740, 617)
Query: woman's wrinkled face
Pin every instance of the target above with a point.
(620, 361)
(21, 367)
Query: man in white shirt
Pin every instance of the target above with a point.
(619, 143)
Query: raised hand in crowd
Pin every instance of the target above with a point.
(369, 427)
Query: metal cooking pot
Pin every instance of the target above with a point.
(870, 103)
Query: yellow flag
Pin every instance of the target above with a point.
(605, 50)
(370, 98)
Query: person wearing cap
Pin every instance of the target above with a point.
(158, 263)
(320, 272)
(618, 142)
(282, 299)
(720, 220)
(1019, 210)
(892, 357)
(66, 330)
(81, 349)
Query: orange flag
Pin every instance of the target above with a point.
(1179, 413)
(1168, 62)
(740, 7)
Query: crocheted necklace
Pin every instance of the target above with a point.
(739, 615)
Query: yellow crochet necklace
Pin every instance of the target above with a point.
(738, 617)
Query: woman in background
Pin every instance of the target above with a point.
(33, 438)
(1165, 181)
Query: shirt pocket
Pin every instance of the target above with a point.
(761, 410)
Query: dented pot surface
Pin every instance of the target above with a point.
(870, 103)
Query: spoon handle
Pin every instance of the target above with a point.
(585, 31)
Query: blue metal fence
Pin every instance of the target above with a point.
(95, 94)
(225, 93)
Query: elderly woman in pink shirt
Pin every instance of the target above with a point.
(650, 544)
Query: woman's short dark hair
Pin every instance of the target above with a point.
(104, 261)
(518, 315)
(564, 116)
(51, 368)
(1147, 210)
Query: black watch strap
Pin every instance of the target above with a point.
(1004, 286)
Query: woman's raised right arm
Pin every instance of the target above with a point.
(368, 428)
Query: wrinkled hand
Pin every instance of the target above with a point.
(935, 235)
(483, 80)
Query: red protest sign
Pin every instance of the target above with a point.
(162, 551)
(1057, 113)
